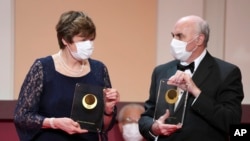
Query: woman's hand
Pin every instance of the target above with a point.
(68, 125)
(111, 98)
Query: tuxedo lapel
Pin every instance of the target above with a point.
(203, 70)
(199, 76)
(171, 71)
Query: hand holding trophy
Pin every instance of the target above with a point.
(170, 98)
(87, 107)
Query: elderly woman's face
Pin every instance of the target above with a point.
(75, 39)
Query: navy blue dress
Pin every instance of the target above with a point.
(48, 93)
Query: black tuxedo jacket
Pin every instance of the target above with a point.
(210, 116)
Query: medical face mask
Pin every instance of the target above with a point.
(131, 132)
(84, 50)
(178, 49)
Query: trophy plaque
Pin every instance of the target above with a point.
(88, 107)
(168, 97)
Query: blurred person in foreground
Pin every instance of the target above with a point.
(128, 117)
(44, 105)
(214, 87)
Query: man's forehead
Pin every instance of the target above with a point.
(183, 29)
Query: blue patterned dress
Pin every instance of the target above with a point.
(48, 93)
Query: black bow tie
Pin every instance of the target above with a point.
(183, 68)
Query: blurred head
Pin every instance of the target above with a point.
(74, 24)
(193, 32)
(128, 122)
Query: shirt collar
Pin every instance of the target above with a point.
(197, 60)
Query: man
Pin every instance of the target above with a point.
(128, 121)
(214, 89)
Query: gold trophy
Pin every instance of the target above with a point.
(168, 97)
(88, 107)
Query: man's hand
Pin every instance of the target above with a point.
(160, 128)
(185, 82)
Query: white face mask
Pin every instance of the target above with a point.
(84, 50)
(178, 49)
(131, 132)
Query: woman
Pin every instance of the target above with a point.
(45, 100)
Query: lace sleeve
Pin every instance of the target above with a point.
(107, 82)
(26, 118)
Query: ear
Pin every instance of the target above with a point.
(64, 42)
(200, 39)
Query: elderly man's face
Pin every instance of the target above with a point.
(131, 115)
(185, 31)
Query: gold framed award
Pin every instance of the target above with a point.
(88, 107)
(169, 97)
